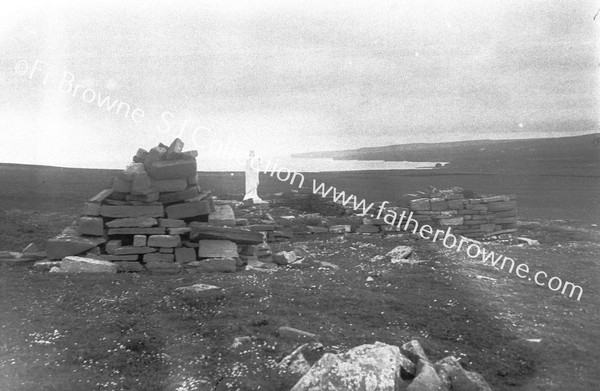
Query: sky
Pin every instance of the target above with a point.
(84, 84)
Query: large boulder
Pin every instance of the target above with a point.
(375, 367)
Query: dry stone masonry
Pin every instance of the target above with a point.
(154, 217)
(469, 215)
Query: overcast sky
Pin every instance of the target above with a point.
(284, 77)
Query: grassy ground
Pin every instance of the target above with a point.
(134, 332)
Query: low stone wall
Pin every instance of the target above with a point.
(477, 217)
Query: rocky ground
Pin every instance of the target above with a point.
(136, 331)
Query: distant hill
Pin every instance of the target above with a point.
(577, 155)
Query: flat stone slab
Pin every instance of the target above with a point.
(132, 210)
(93, 226)
(172, 169)
(171, 223)
(189, 209)
(209, 248)
(223, 215)
(137, 231)
(67, 244)
(187, 194)
(164, 241)
(237, 235)
(129, 222)
(75, 264)
(129, 250)
(168, 185)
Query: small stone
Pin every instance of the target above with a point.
(93, 226)
(413, 351)
(284, 257)
(296, 334)
(196, 288)
(166, 250)
(154, 155)
(399, 253)
(139, 240)
(98, 198)
(427, 378)
(31, 248)
(174, 149)
(340, 229)
(222, 216)
(164, 241)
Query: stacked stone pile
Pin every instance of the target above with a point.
(473, 217)
(155, 217)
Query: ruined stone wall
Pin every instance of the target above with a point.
(478, 217)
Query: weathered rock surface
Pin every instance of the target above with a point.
(209, 248)
(70, 243)
(223, 215)
(456, 378)
(132, 210)
(131, 222)
(93, 226)
(366, 367)
(172, 169)
(164, 241)
(188, 209)
(75, 264)
(427, 379)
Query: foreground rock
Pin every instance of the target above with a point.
(383, 367)
(366, 367)
(69, 242)
(86, 265)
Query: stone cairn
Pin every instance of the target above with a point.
(154, 217)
